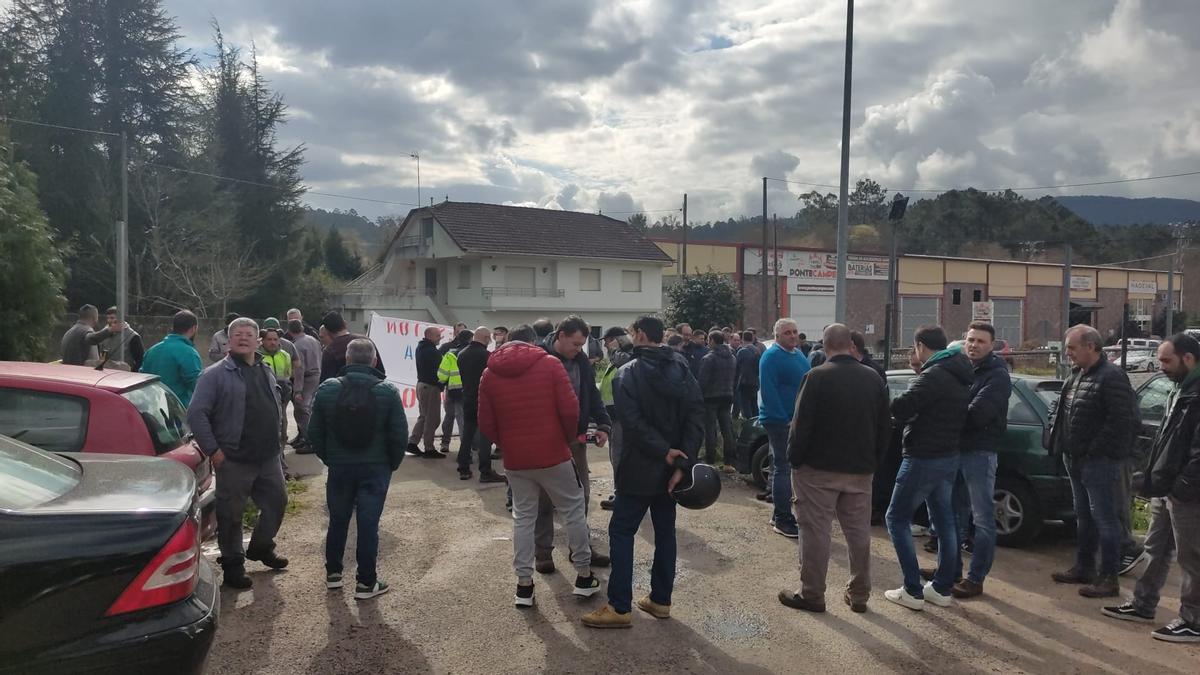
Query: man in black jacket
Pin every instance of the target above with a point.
(858, 349)
(429, 395)
(566, 342)
(745, 379)
(841, 428)
(1093, 428)
(472, 361)
(717, 370)
(987, 420)
(1172, 482)
(660, 406)
(933, 409)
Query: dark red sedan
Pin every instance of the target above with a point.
(80, 409)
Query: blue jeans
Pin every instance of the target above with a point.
(627, 514)
(781, 473)
(978, 473)
(1096, 488)
(745, 402)
(930, 481)
(355, 489)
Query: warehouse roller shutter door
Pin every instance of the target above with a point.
(914, 313)
(1006, 319)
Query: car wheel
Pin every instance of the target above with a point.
(760, 466)
(1018, 515)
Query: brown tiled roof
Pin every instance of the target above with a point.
(495, 228)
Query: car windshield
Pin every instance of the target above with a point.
(162, 413)
(30, 477)
(1048, 390)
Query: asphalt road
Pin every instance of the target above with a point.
(446, 550)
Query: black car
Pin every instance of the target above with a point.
(1031, 485)
(100, 565)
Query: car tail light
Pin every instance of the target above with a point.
(169, 577)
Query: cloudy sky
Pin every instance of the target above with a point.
(623, 105)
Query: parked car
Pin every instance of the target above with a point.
(1152, 405)
(100, 567)
(1140, 359)
(1031, 485)
(80, 409)
(1002, 348)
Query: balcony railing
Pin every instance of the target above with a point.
(492, 291)
(411, 241)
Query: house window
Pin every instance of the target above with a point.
(589, 279)
(427, 228)
(977, 295)
(631, 281)
(464, 276)
(957, 296)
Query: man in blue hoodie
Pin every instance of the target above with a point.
(934, 410)
(780, 371)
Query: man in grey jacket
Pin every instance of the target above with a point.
(309, 377)
(79, 342)
(235, 415)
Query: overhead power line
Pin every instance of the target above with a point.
(58, 126)
(1002, 189)
(275, 187)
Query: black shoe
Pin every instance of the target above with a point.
(432, 454)
(464, 474)
(413, 449)
(763, 496)
(1131, 560)
(1127, 612)
(856, 607)
(586, 587)
(607, 504)
(1105, 586)
(492, 477)
(275, 562)
(1178, 631)
(788, 530)
(237, 579)
(600, 560)
(297, 441)
(304, 449)
(545, 566)
(968, 547)
(793, 600)
(524, 596)
(932, 545)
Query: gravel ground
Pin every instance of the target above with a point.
(446, 550)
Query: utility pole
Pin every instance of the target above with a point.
(123, 246)
(1170, 326)
(1063, 367)
(765, 252)
(899, 205)
(683, 272)
(843, 239)
(775, 256)
(418, 158)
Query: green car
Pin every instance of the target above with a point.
(1031, 485)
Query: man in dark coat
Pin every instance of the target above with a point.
(717, 371)
(333, 358)
(660, 406)
(1172, 482)
(858, 349)
(472, 361)
(566, 343)
(745, 378)
(1093, 428)
(429, 395)
(934, 410)
(79, 342)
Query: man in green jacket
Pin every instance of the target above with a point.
(175, 360)
(359, 430)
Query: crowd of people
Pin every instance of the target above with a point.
(535, 396)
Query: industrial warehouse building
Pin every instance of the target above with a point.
(1024, 299)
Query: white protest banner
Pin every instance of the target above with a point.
(396, 340)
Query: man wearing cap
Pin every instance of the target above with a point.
(620, 351)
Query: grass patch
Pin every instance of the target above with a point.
(295, 488)
(1139, 518)
(1037, 371)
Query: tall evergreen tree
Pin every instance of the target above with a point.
(339, 259)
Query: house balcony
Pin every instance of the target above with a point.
(490, 292)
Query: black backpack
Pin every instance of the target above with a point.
(354, 414)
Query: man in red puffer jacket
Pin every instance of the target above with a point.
(528, 407)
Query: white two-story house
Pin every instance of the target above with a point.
(493, 265)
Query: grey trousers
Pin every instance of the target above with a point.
(820, 496)
(429, 403)
(453, 413)
(1174, 529)
(236, 482)
(544, 530)
(303, 409)
(562, 486)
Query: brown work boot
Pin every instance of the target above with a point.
(1073, 576)
(607, 617)
(654, 609)
(855, 606)
(1105, 586)
(795, 601)
(966, 589)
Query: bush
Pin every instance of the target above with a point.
(704, 300)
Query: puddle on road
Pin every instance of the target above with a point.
(734, 626)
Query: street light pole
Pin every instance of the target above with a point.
(123, 246)
(843, 239)
(418, 158)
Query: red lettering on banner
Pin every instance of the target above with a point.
(391, 326)
(404, 328)
(408, 397)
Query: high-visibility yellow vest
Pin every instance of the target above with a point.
(448, 371)
(280, 362)
(606, 385)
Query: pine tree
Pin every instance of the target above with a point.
(341, 262)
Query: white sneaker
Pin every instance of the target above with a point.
(902, 598)
(919, 531)
(937, 598)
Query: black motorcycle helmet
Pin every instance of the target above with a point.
(700, 487)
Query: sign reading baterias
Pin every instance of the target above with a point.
(804, 266)
(396, 340)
